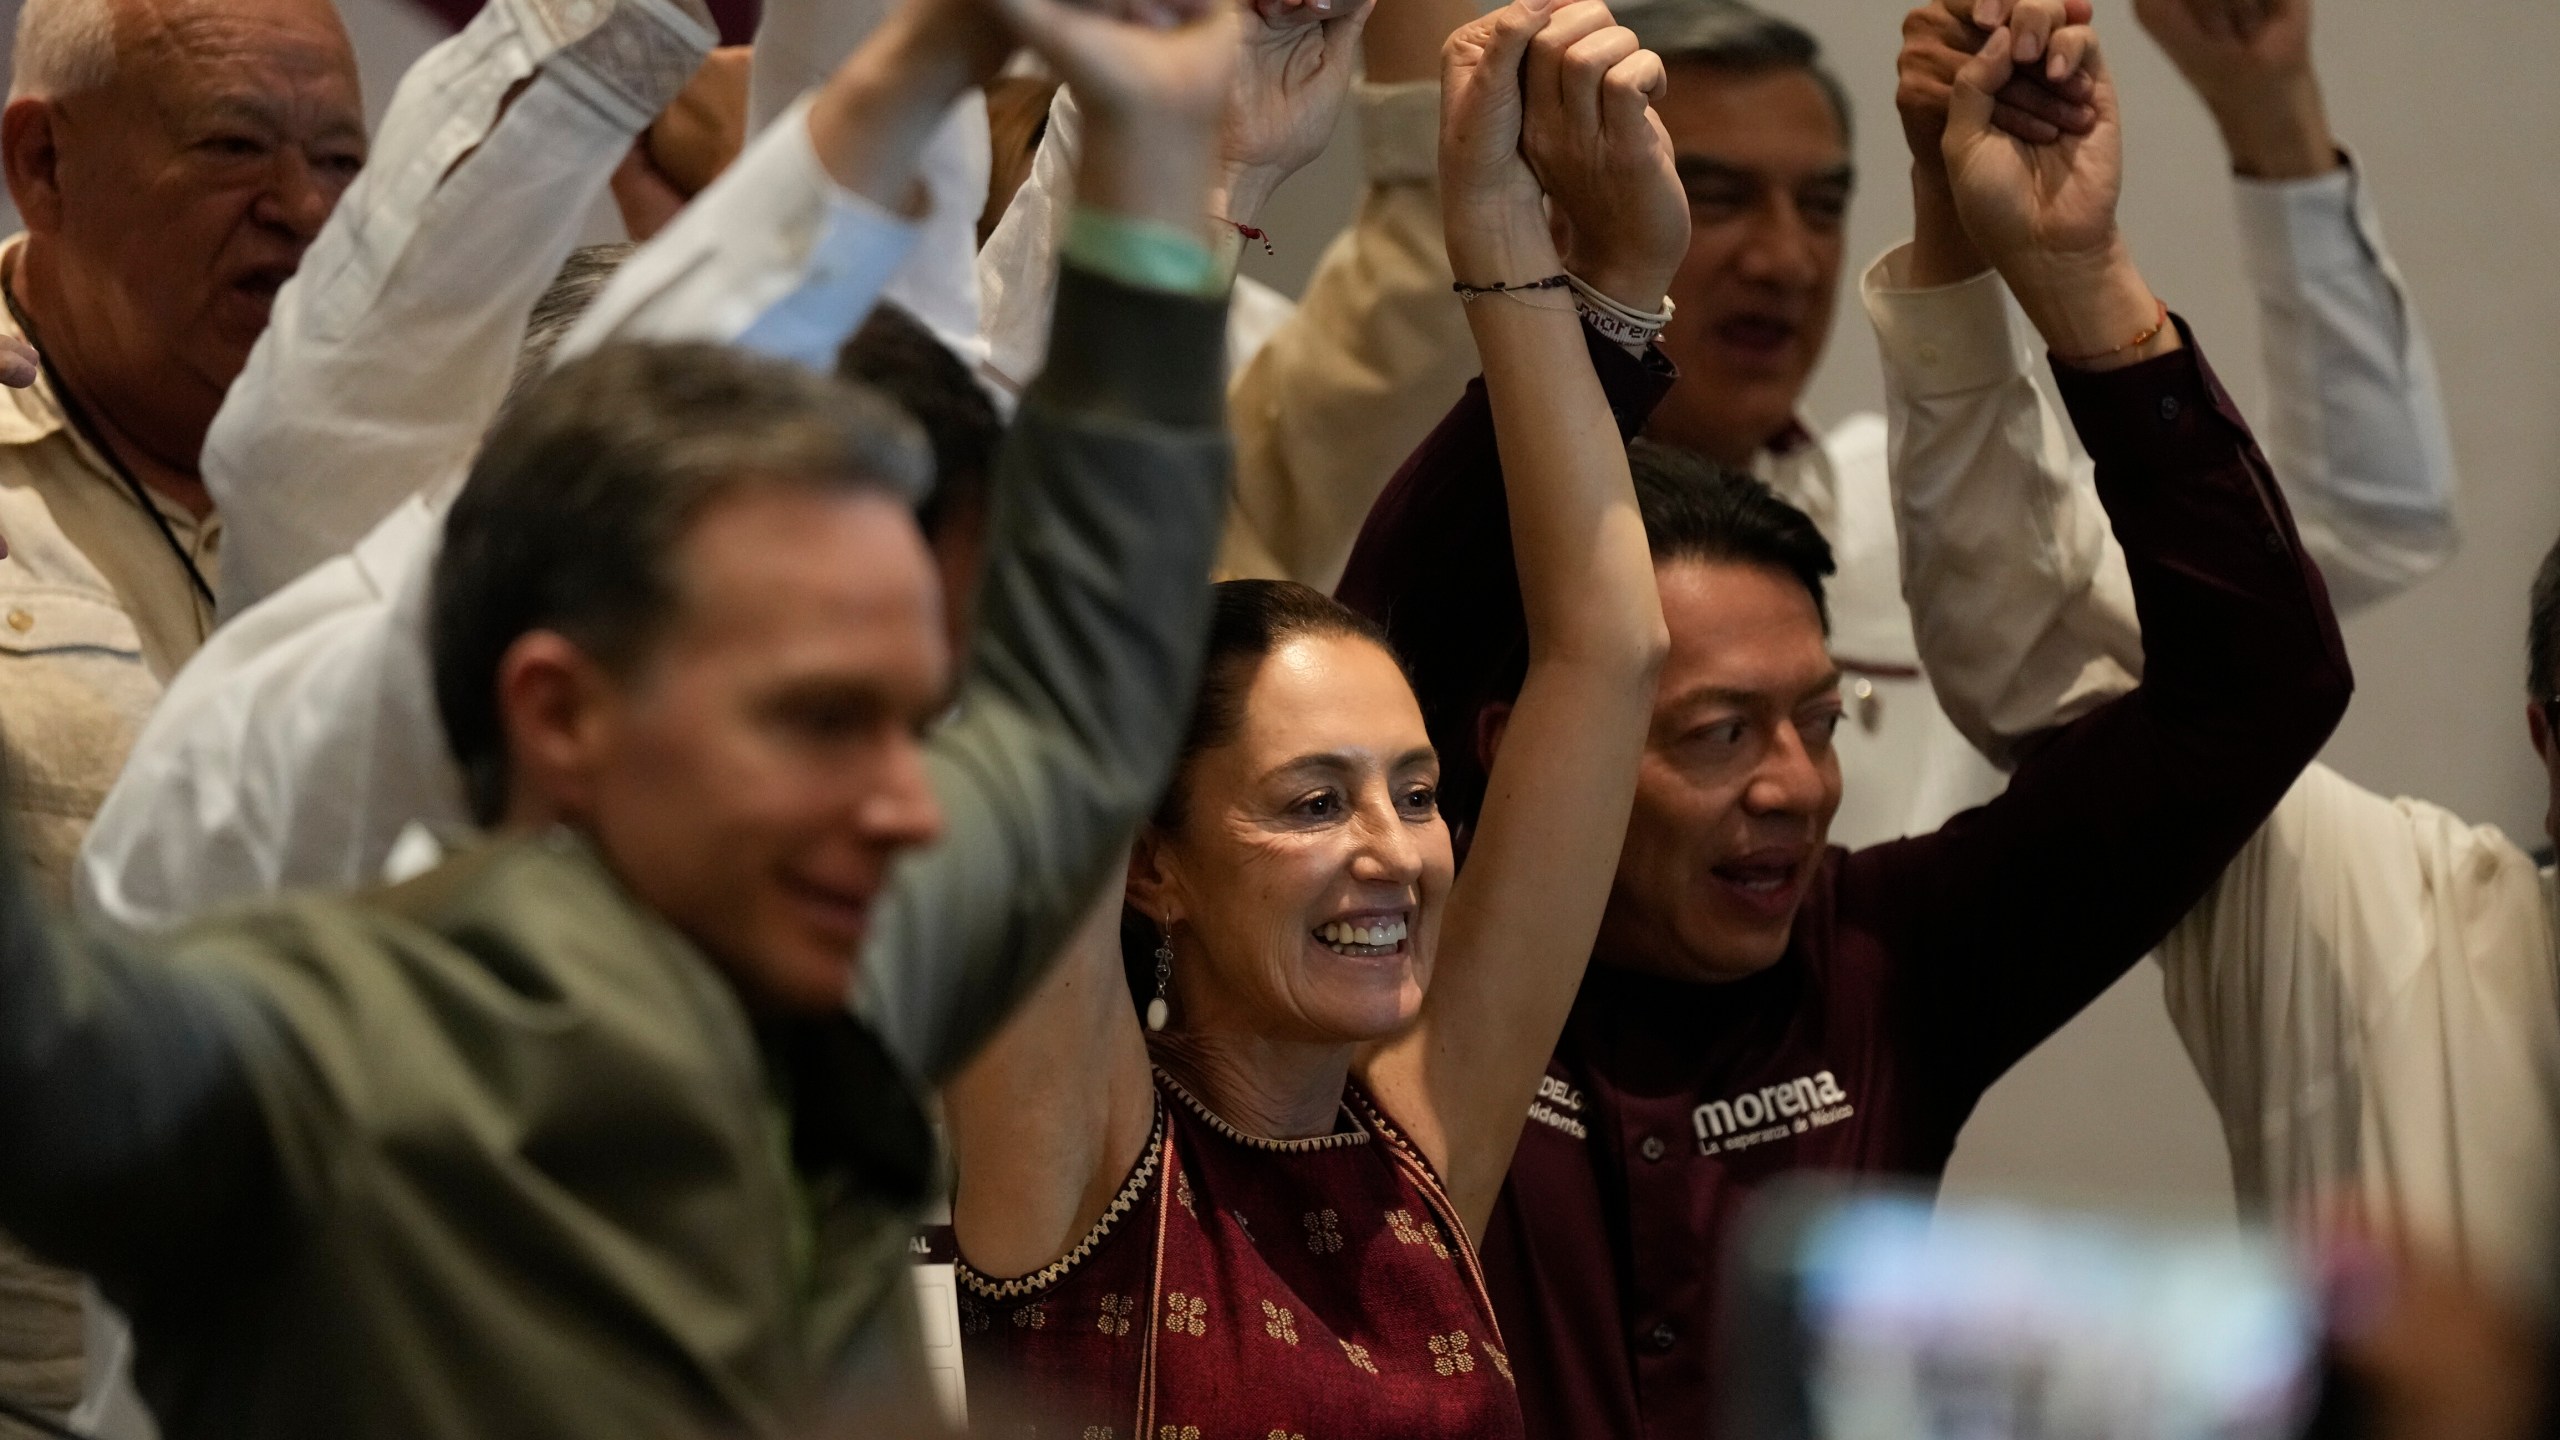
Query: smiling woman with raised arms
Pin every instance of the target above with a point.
(1254, 1213)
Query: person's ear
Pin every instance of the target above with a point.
(1154, 890)
(1491, 721)
(556, 707)
(2537, 723)
(29, 148)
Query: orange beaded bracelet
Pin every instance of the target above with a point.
(2136, 343)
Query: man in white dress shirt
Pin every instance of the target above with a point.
(2370, 993)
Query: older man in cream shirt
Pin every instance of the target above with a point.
(171, 162)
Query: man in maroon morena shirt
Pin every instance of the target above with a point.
(1759, 1002)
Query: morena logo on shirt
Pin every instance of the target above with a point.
(1772, 1112)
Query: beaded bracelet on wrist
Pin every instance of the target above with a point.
(2137, 342)
(1248, 232)
(1470, 292)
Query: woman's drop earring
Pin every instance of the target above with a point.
(1160, 1009)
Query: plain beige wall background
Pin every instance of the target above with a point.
(2454, 121)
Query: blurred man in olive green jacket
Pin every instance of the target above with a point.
(582, 1133)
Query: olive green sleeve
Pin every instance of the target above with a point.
(129, 1125)
(1093, 615)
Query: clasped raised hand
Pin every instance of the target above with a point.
(1154, 91)
(1292, 75)
(1492, 208)
(2039, 104)
(2026, 203)
(1600, 152)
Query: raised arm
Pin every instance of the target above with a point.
(2355, 423)
(1521, 918)
(799, 45)
(125, 1110)
(389, 350)
(2016, 915)
(301, 742)
(2019, 601)
(1292, 69)
(2026, 627)
(1038, 1161)
(1093, 613)
(1377, 349)
(789, 249)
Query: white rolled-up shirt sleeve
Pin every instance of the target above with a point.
(2355, 423)
(799, 43)
(774, 256)
(1377, 352)
(391, 347)
(1017, 268)
(2017, 590)
(2020, 602)
(302, 740)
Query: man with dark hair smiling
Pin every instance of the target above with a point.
(1761, 1001)
(612, 1124)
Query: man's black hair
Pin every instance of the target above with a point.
(2542, 644)
(585, 489)
(1696, 509)
(1693, 509)
(895, 354)
(1736, 39)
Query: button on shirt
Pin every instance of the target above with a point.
(96, 613)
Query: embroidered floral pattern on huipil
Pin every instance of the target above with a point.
(1226, 1277)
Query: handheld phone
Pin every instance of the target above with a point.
(1878, 1315)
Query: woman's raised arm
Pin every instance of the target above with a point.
(1521, 918)
(1051, 1115)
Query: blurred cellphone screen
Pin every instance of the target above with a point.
(1878, 1315)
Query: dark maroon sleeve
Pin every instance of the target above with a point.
(2006, 922)
(1434, 565)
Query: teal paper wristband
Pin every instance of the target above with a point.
(1143, 253)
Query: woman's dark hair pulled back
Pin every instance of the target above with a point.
(1248, 620)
